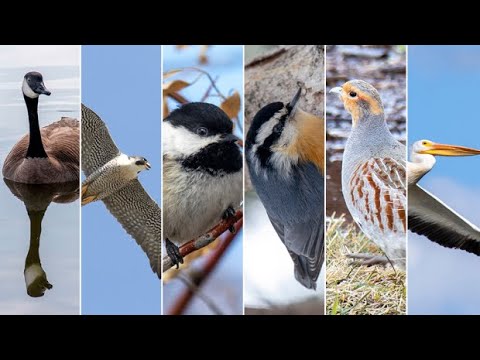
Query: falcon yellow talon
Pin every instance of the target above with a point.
(88, 199)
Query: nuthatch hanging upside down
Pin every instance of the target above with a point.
(202, 173)
(284, 153)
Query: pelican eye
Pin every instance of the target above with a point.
(352, 94)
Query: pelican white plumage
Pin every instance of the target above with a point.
(428, 215)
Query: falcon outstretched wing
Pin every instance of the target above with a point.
(140, 216)
(98, 147)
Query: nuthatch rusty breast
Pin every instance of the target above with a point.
(285, 157)
(202, 173)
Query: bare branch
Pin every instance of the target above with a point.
(194, 289)
(201, 275)
(204, 240)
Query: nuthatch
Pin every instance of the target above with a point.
(202, 173)
(284, 153)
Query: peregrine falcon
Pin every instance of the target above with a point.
(112, 178)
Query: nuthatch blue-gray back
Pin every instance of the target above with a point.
(285, 157)
(202, 173)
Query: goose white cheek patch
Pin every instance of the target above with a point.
(27, 91)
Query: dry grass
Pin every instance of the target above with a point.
(359, 290)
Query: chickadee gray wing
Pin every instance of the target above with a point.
(140, 216)
(304, 242)
(98, 147)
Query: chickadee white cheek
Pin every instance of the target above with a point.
(179, 142)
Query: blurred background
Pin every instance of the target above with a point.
(59, 248)
(203, 72)
(122, 85)
(360, 290)
(442, 84)
(271, 74)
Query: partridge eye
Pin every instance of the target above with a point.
(352, 94)
(202, 131)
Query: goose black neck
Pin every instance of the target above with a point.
(33, 256)
(35, 147)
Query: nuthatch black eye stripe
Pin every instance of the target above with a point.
(263, 115)
(264, 151)
(202, 119)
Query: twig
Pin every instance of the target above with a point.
(204, 240)
(212, 81)
(195, 289)
(207, 93)
(202, 275)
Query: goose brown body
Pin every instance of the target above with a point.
(61, 141)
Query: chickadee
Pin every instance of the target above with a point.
(202, 173)
(284, 153)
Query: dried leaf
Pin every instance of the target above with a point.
(178, 98)
(203, 59)
(174, 86)
(166, 111)
(172, 72)
(231, 105)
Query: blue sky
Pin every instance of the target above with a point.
(225, 284)
(122, 85)
(442, 98)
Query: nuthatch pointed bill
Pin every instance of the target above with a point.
(202, 173)
(284, 153)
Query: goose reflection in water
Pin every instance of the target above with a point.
(37, 198)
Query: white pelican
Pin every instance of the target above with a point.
(428, 215)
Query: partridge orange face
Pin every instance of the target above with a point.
(360, 99)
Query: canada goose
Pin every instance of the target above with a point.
(47, 155)
(113, 178)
